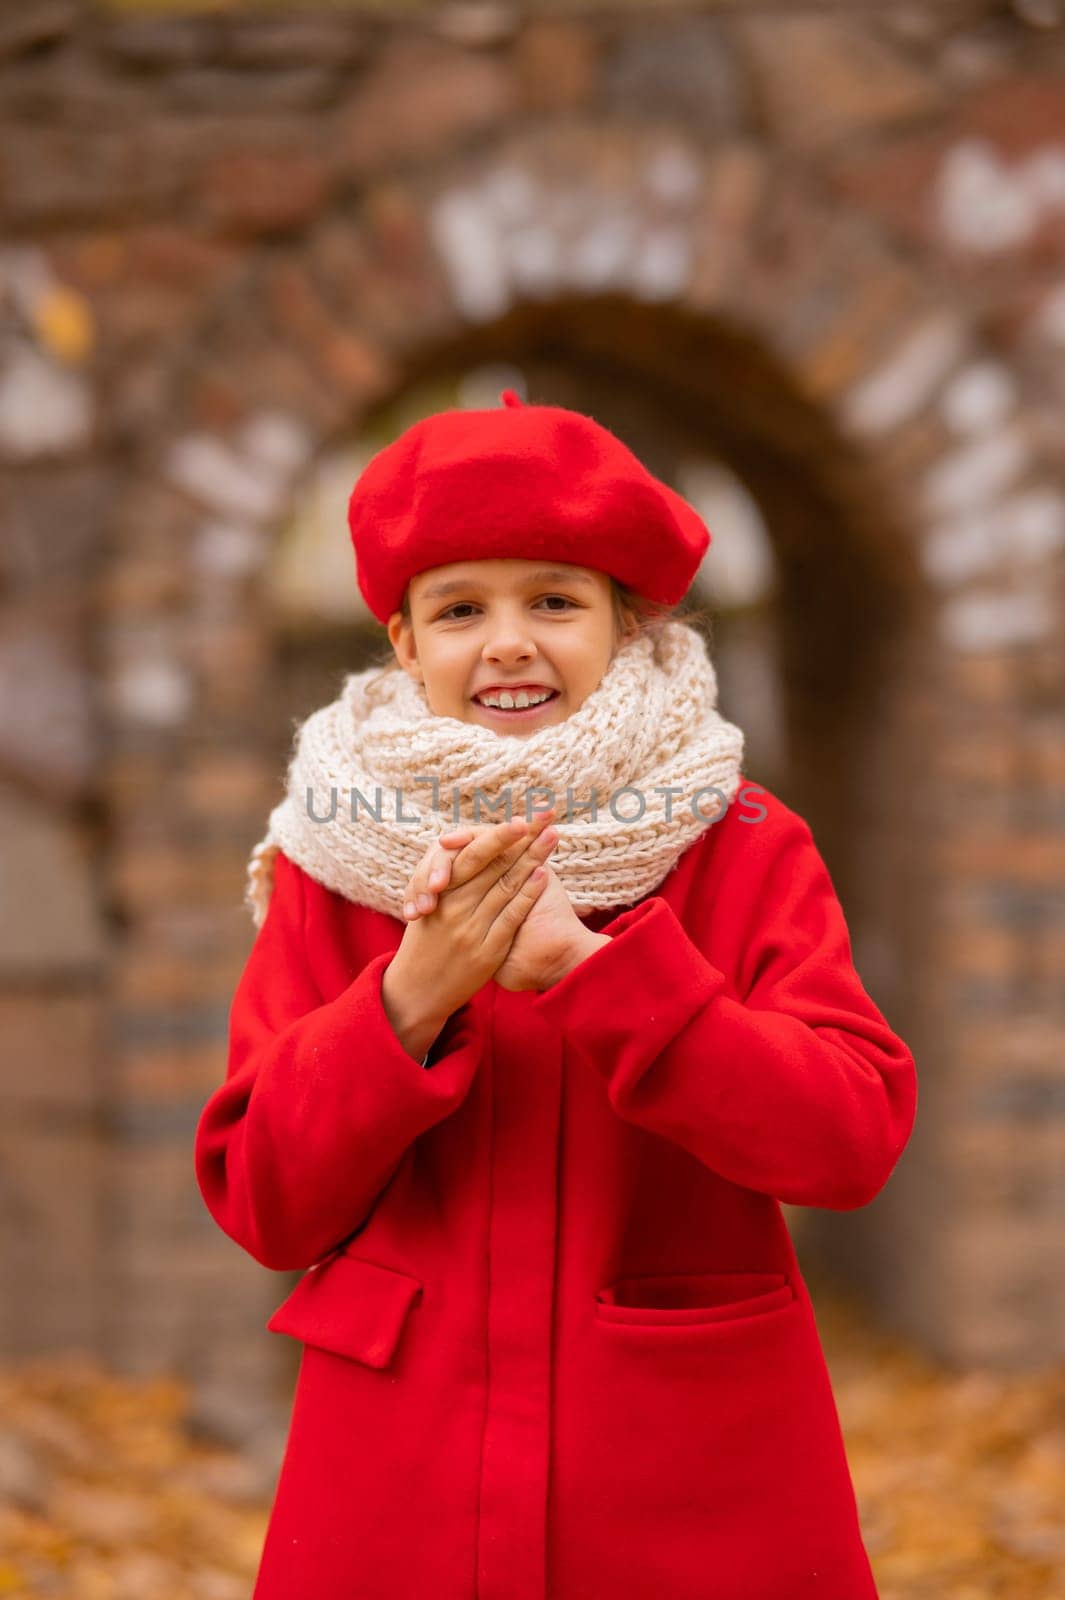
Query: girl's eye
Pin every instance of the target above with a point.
(465, 605)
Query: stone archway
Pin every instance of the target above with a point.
(724, 282)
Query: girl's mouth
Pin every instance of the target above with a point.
(517, 713)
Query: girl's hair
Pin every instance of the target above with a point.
(632, 612)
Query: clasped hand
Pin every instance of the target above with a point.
(531, 933)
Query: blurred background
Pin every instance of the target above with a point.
(808, 261)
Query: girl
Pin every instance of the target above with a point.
(522, 1100)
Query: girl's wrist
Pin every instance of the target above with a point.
(416, 1027)
(584, 944)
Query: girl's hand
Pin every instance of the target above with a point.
(550, 940)
(433, 872)
(445, 958)
(432, 875)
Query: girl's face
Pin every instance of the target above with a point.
(503, 627)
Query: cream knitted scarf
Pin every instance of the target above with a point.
(361, 807)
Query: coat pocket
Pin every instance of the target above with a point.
(692, 1299)
(350, 1307)
(704, 1424)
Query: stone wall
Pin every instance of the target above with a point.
(830, 240)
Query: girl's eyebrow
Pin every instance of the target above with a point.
(544, 575)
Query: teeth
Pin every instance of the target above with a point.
(507, 702)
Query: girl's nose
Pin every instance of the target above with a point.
(504, 652)
(508, 644)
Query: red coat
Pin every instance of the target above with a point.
(557, 1345)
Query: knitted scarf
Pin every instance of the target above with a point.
(649, 727)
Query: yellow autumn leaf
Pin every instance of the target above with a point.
(64, 325)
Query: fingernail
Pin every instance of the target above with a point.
(436, 878)
(410, 909)
(425, 902)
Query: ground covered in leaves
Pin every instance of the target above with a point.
(106, 1494)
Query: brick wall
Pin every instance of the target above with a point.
(830, 242)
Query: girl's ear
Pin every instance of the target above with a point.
(401, 636)
(629, 626)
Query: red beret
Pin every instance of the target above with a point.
(522, 481)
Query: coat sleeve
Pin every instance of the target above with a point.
(791, 1082)
(320, 1100)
